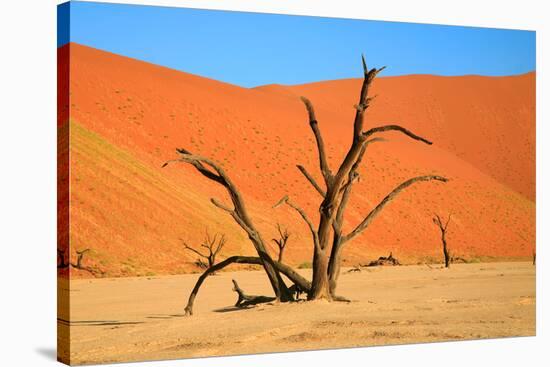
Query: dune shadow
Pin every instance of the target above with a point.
(49, 353)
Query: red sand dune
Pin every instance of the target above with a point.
(127, 118)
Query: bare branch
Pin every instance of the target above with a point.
(187, 247)
(220, 205)
(221, 243)
(369, 218)
(286, 200)
(364, 100)
(359, 138)
(311, 180)
(448, 220)
(217, 174)
(323, 162)
(398, 128)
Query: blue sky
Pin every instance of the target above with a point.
(251, 49)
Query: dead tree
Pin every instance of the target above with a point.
(328, 237)
(63, 264)
(80, 255)
(281, 241)
(213, 246)
(443, 228)
(534, 258)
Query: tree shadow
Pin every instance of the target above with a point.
(232, 309)
(99, 322)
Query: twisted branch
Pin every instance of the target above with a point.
(374, 213)
(323, 162)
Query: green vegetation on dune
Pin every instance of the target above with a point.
(131, 215)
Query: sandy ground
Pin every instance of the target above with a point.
(116, 319)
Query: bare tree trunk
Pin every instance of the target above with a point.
(446, 253)
(320, 284)
(443, 228)
(335, 261)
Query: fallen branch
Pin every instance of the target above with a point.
(246, 300)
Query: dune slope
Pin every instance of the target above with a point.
(127, 117)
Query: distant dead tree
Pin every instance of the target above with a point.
(443, 228)
(213, 245)
(80, 255)
(63, 264)
(328, 239)
(281, 241)
(534, 257)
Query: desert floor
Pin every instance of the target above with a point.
(128, 319)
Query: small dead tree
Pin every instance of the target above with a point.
(62, 263)
(80, 256)
(213, 245)
(534, 257)
(281, 241)
(443, 228)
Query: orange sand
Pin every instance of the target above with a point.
(127, 118)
